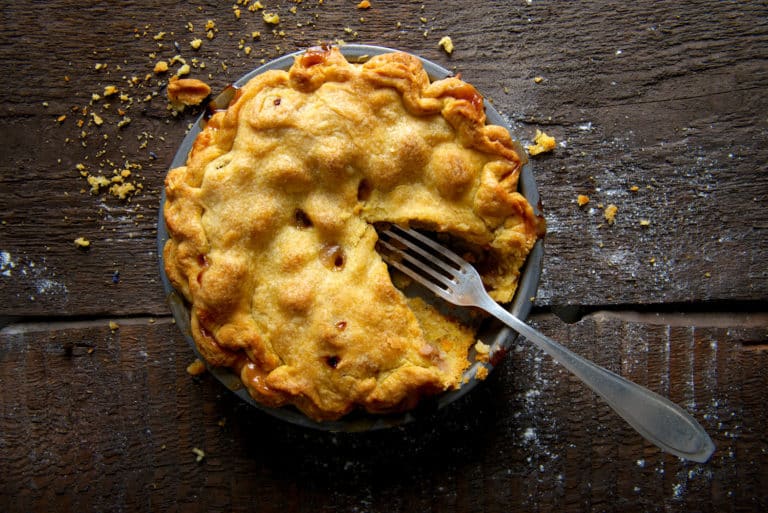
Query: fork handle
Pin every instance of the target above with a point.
(657, 419)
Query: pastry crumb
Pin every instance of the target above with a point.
(645, 222)
(187, 92)
(446, 44)
(483, 351)
(199, 454)
(82, 242)
(96, 182)
(114, 326)
(122, 190)
(196, 368)
(196, 43)
(481, 372)
(271, 18)
(538, 80)
(582, 199)
(365, 4)
(610, 213)
(542, 143)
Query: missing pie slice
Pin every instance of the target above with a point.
(272, 239)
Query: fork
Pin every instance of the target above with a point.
(455, 280)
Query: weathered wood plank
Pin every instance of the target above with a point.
(95, 419)
(663, 96)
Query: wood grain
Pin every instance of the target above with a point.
(101, 419)
(667, 97)
(663, 97)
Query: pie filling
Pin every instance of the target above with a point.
(273, 240)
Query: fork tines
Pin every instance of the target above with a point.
(419, 257)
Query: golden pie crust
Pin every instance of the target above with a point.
(272, 238)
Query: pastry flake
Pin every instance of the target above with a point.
(273, 241)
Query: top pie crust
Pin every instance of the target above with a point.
(272, 240)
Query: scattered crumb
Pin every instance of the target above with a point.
(187, 92)
(645, 222)
(446, 44)
(160, 67)
(542, 143)
(610, 213)
(271, 18)
(97, 182)
(113, 325)
(196, 43)
(110, 90)
(634, 188)
(538, 80)
(481, 372)
(483, 351)
(122, 190)
(82, 242)
(199, 454)
(582, 200)
(196, 368)
(365, 4)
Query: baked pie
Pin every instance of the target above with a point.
(272, 225)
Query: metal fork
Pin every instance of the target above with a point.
(455, 280)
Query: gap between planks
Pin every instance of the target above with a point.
(677, 319)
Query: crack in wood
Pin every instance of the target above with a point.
(22, 327)
(679, 98)
(686, 319)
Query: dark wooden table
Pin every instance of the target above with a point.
(659, 108)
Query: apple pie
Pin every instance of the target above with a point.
(272, 225)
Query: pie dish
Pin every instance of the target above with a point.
(268, 234)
